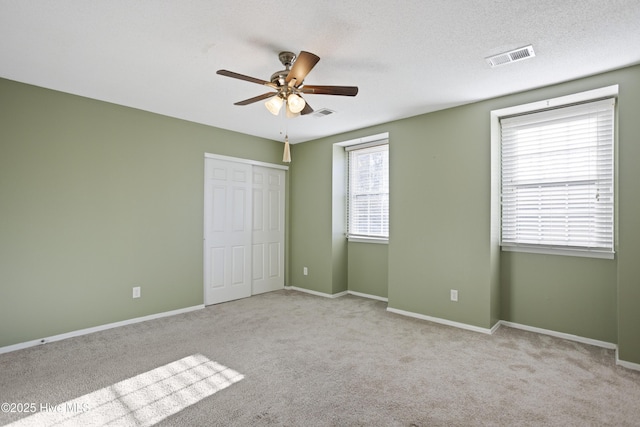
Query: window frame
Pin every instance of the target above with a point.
(496, 144)
(351, 146)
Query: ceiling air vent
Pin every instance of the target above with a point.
(511, 56)
(322, 112)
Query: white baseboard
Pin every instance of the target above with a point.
(445, 321)
(316, 293)
(495, 327)
(583, 340)
(339, 294)
(563, 335)
(80, 332)
(360, 294)
(402, 312)
(27, 344)
(625, 364)
(570, 337)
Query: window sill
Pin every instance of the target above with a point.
(559, 251)
(362, 239)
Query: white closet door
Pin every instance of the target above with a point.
(268, 229)
(227, 231)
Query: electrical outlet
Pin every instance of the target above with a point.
(305, 271)
(454, 295)
(136, 292)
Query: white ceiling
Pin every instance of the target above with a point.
(408, 57)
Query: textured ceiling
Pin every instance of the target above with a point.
(408, 57)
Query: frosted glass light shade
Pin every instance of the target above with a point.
(295, 103)
(274, 105)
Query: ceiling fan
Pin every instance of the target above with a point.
(289, 85)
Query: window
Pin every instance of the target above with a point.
(368, 191)
(557, 179)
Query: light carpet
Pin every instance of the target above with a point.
(287, 358)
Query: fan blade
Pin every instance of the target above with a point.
(306, 110)
(301, 67)
(256, 98)
(330, 90)
(242, 77)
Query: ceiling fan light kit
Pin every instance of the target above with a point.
(295, 103)
(289, 87)
(274, 105)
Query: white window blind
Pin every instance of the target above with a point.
(368, 191)
(557, 178)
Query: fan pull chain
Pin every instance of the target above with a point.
(286, 156)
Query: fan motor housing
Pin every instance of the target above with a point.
(287, 59)
(279, 77)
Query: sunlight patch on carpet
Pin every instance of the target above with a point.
(143, 400)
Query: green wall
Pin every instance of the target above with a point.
(339, 261)
(440, 216)
(538, 289)
(310, 208)
(97, 198)
(368, 268)
(629, 216)
(443, 233)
